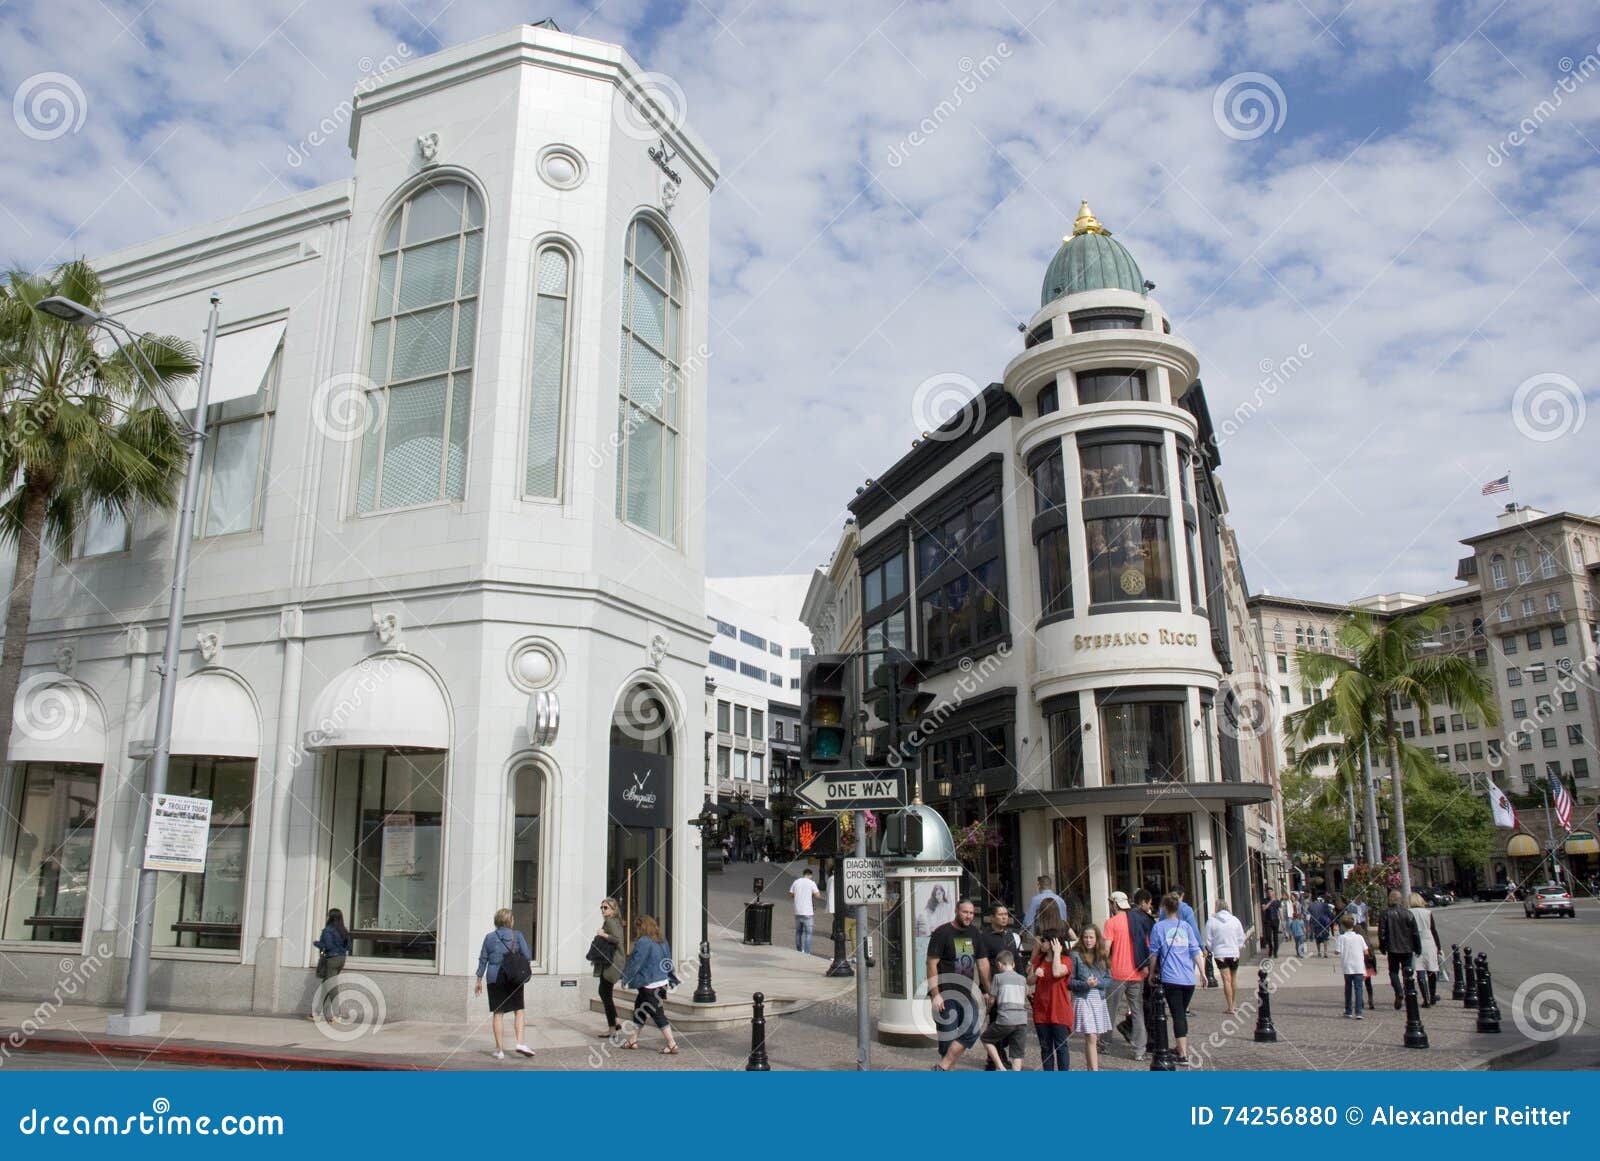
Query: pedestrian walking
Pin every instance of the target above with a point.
(957, 979)
(1030, 917)
(504, 963)
(1178, 955)
(1271, 924)
(1351, 948)
(1127, 935)
(607, 952)
(333, 946)
(1297, 925)
(650, 973)
(1224, 942)
(1051, 970)
(1322, 917)
(804, 891)
(1427, 961)
(998, 937)
(1091, 973)
(1005, 1040)
(1399, 939)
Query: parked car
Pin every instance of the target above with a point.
(1494, 893)
(1550, 899)
(1436, 896)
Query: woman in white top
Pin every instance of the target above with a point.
(1427, 959)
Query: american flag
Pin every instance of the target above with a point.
(1563, 806)
(1503, 484)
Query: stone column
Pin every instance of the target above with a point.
(285, 761)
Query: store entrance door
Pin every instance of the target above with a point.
(1156, 869)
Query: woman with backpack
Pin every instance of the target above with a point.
(505, 962)
(649, 972)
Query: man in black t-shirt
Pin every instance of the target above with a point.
(1000, 936)
(956, 973)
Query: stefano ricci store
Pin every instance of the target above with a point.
(1057, 553)
(445, 641)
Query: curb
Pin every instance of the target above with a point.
(202, 1055)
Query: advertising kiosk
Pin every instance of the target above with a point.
(922, 894)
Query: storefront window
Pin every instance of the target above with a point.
(51, 840)
(1144, 741)
(1152, 851)
(1112, 385)
(639, 851)
(1050, 523)
(1066, 746)
(961, 577)
(1072, 869)
(1130, 559)
(885, 617)
(384, 868)
(527, 839)
(206, 911)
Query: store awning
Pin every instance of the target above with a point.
(1522, 846)
(382, 702)
(1172, 796)
(716, 809)
(212, 716)
(1581, 842)
(56, 721)
(239, 365)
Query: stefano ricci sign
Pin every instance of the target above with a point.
(1082, 641)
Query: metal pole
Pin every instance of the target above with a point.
(1549, 831)
(1402, 847)
(136, 1019)
(863, 996)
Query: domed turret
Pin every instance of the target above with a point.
(1090, 259)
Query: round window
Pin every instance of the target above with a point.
(561, 166)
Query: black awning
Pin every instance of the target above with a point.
(1181, 795)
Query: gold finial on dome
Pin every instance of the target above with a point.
(1087, 223)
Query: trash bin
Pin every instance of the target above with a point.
(758, 923)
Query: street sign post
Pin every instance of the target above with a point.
(864, 882)
(854, 790)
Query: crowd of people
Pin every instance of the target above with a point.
(987, 984)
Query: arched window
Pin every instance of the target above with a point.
(1523, 566)
(424, 329)
(1497, 570)
(527, 853)
(1277, 632)
(1325, 638)
(552, 294)
(647, 436)
(1547, 562)
(1299, 635)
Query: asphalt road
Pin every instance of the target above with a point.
(1546, 975)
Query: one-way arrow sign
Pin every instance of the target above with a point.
(854, 790)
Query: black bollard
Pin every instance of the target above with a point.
(758, 1036)
(1162, 1058)
(1151, 1018)
(1469, 994)
(1488, 1010)
(1416, 1036)
(1265, 1032)
(1458, 986)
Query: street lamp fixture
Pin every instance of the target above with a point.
(136, 1019)
(704, 993)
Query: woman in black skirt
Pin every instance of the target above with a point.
(504, 996)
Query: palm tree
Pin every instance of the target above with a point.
(1394, 660)
(80, 433)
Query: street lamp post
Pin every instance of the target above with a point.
(703, 991)
(136, 1019)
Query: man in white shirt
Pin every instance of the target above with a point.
(804, 892)
(1225, 940)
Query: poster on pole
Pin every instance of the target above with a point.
(176, 840)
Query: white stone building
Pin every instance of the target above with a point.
(440, 494)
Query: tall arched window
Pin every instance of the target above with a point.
(424, 327)
(527, 853)
(1277, 632)
(552, 294)
(1497, 570)
(1547, 562)
(647, 424)
(1524, 567)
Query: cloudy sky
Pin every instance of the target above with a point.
(1395, 200)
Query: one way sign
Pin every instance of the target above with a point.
(854, 790)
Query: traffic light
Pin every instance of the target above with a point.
(902, 834)
(824, 711)
(898, 702)
(816, 836)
